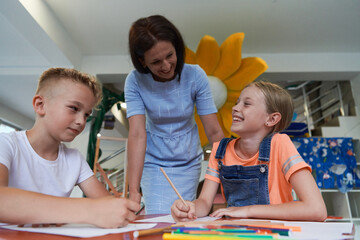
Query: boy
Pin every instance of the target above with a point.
(37, 161)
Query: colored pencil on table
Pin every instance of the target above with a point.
(170, 236)
(140, 233)
(237, 234)
(172, 185)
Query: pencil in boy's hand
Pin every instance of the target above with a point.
(172, 185)
(103, 174)
(142, 206)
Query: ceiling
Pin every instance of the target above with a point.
(300, 40)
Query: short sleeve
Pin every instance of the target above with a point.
(212, 171)
(204, 99)
(291, 160)
(133, 99)
(85, 171)
(6, 149)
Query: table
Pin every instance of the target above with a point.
(6, 234)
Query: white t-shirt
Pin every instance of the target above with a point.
(29, 171)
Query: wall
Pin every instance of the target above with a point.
(15, 117)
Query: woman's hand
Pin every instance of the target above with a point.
(182, 213)
(135, 196)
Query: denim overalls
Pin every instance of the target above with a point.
(245, 185)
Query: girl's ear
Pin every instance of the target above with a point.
(273, 119)
(38, 105)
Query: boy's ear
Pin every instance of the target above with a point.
(38, 104)
(273, 119)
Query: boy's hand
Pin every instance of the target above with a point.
(181, 213)
(111, 212)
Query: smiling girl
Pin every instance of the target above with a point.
(258, 170)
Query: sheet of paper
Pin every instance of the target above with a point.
(81, 230)
(321, 230)
(169, 219)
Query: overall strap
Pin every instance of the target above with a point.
(265, 146)
(220, 152)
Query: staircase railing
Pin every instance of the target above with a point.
(318, 102)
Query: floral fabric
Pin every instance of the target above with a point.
(332, 160)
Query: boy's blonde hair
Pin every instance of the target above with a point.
(52, 75)
(279, 100)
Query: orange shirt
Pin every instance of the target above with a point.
(284, 161)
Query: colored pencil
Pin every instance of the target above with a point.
(272, 227)
(238, 234)
(172, 185)
(238, 229)
(139, 233)
(170, 236)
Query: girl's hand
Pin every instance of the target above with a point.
(181, 213)
(238, 212)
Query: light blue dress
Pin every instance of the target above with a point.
(172, 135)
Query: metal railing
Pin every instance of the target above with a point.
(319, 102)
(117, 175)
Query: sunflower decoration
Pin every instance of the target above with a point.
(228, 74)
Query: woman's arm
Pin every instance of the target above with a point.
(309, 207)
(136, 154)
(212, 127)
(24, 207)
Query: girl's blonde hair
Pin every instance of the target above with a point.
(53, 75)
(279, 100)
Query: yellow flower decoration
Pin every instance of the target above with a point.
(228, 74)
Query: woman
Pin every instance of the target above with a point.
(160, 96)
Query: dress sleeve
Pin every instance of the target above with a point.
(212, 171)
(133, 99)
(204, 99)
(6, 150)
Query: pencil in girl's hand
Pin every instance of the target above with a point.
(172, 185)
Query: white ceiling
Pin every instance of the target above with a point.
(300, 40)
